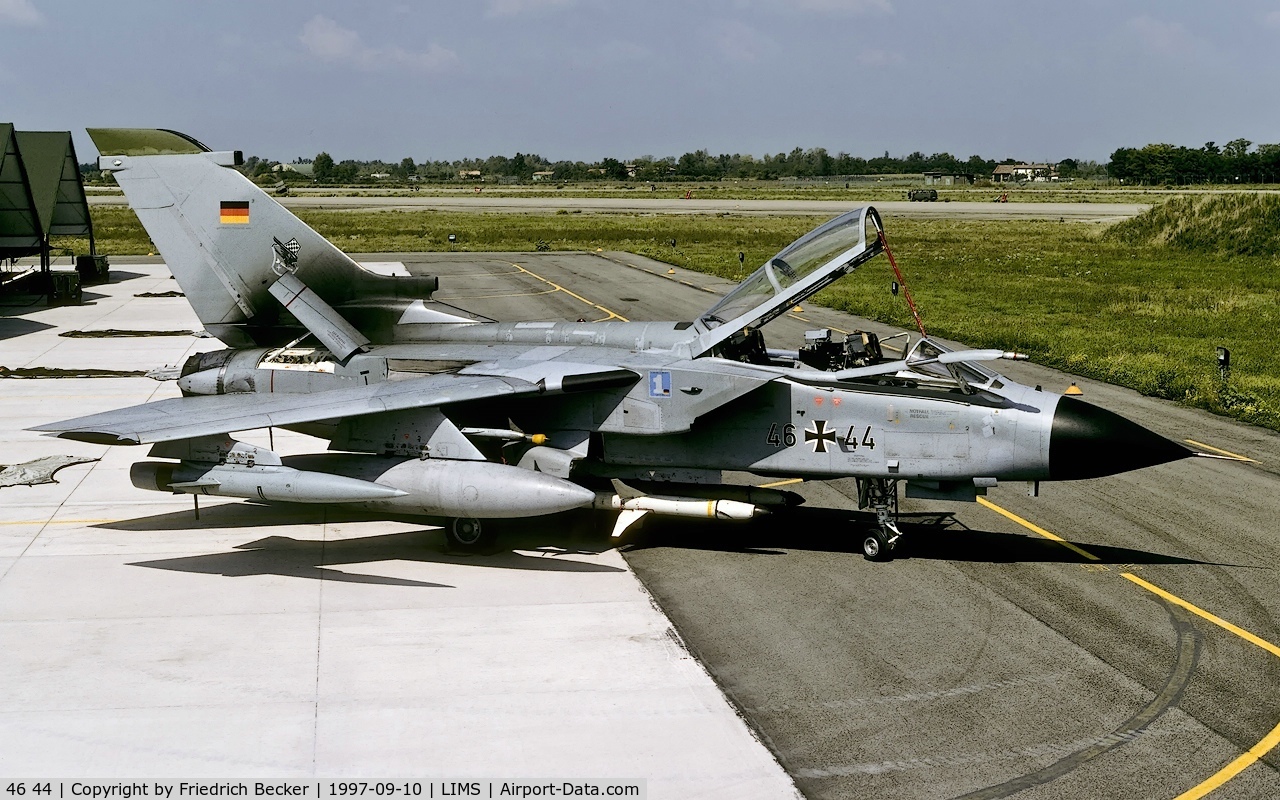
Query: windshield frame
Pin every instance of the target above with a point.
(769, 291)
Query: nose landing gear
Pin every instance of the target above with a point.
(880, 495)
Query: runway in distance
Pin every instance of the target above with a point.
(432, 410)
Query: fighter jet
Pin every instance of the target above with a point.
(430, 410)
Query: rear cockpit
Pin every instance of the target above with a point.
(732, 328)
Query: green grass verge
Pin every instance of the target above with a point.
(1224, 224)
(1107, 306)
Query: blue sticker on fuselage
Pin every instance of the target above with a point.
(660, 383)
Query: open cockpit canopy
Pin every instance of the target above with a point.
(802, 268)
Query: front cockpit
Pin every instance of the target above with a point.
(732, 328)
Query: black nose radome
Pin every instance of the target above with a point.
(1090, 442)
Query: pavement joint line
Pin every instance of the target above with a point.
(1228, 453)
(92, 465)
(612, 314)
(1245, 759)
(1031, 526)
(57, 521)
(787, 482)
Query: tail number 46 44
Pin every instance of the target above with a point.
(786, 437)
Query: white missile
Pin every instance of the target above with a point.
(682, 507)
(634, 506)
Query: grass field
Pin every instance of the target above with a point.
(1131, 306)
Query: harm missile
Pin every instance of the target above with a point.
(635, 505)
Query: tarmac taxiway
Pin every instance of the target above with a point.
(987, 660)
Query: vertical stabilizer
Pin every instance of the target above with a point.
(216, 230)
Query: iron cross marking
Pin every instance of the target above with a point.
(820, 436)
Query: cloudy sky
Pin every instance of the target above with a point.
(583, 79)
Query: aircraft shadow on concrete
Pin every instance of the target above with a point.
(119, 275)
(937, 536)
(322, 560)
(13, 327)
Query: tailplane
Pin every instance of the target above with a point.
(223, 238)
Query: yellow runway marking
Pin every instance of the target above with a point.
(1220, 451)
(775, 484)
(1253, 753)
(1200, 612)
(491, 296)
(1037, 529)
(1268, 742)
(1234, 768)
(612, 314)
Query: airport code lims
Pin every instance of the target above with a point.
(415, 789)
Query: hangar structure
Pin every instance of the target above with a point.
(42, 196)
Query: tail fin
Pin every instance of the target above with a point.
(216, 231)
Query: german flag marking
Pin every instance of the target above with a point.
(234, 212)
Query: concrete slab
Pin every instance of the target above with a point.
(256, 643)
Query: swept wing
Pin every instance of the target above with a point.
(188, 417)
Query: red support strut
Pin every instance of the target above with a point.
(911, 304)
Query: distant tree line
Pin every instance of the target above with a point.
(698, 165)
(1234, 162)
(1238, 161)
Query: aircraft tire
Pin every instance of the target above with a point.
(875, 547)
(469, 534)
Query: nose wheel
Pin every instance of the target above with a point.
(880, 495)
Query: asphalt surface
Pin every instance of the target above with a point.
(1088, 212)
(985, 660)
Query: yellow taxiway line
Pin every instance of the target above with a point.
(1220, 451)
(1249, 756)
(776, 484)
(1037, 529)
(612, 314)
(451, 298)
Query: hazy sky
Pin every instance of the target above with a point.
(582, 79)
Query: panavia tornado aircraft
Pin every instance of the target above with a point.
(431, 410)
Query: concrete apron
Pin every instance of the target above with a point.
(263, 644)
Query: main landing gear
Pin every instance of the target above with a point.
(881, 495)
(468, 535)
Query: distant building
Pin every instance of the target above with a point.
(1005, 173)
(544, 175)
(380, 175)
(939, 178)
(468, 174)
